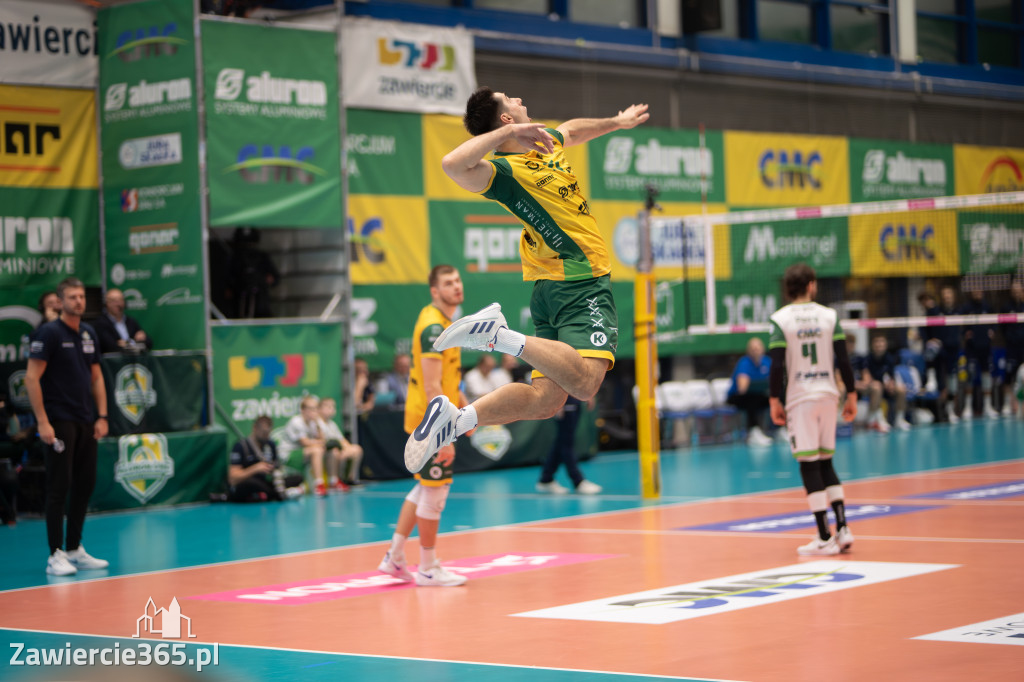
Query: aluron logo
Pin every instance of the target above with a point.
(260, 165)
(901, 169)
(144, 94)
(408, 53)
(762, 245)
(143, 42)
(655, 158)
(911, 242)
(268, 89)
(39, 235)
(780, 169)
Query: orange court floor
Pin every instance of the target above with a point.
(702, 584)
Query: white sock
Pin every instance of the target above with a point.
(509, 342)
(466, 421)
(398, 546)
(428, 557)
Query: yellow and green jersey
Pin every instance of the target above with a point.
(429, 326)
(560, 239)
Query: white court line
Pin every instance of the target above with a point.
(753, 534)
(375, 656)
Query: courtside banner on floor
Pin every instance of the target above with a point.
(406, 67)
(49, 203)
(150, 138)
(266, 369)
(272, 126)
(46, 43)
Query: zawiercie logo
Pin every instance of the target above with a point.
(414, 54)
(134, 392)
(268, 371)
(144, 465)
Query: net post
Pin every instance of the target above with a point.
(648, 442)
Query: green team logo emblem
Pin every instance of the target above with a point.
(133, 392)
(17, 392)
(144, 465)
(491, 441)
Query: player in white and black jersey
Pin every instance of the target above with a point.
(807, 345)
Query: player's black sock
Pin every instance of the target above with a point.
(840, 511)
(822, 520)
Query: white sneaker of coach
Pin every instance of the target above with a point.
(58, 564)
(81, 560)
(438, 576)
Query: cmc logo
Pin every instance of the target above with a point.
(785, 170)
(264, 164)
(152, 41)
(907, 242)
(365, 246)
(267, 371)
(426, 56)
(1002, 175)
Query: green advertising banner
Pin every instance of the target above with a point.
(151, 469)
(266, 369)
(478, 238)
(385, 152)
(150, 143)
(148, 393)
(991, 242)
(624, 163)
(763, 251)
(881, 170)
(272, 126)
(50, 234)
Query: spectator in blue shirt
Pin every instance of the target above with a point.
(749, 390)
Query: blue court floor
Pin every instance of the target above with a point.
(166, 539)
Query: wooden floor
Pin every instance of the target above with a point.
(704, 584)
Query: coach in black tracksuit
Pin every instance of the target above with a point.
(69, 399)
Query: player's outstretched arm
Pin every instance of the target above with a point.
(580, 130)
(466, 165)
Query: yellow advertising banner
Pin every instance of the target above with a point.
(390, 240)
(913, 244)
(49, 138)
(983, 170)
(786, 170)
(678, 250)
(442, 133)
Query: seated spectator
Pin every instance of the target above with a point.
(343, 454)
(255, 474)
(395, 384)
(978, 349)
(879, 381)
(117, 332)
(49, 306)
(1013, 335)
(365, 396)
(749, 391)
(484, 378)
(303, 433)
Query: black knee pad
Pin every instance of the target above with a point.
(828, 473)
(810, 472)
